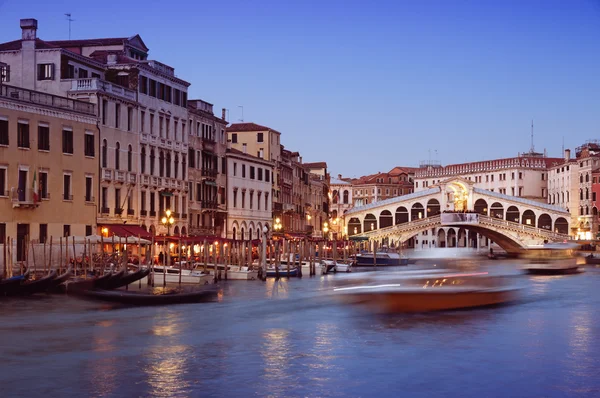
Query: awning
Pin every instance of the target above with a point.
(358, 238)
(211, 183)
(124, 230)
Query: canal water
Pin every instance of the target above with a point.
(293, 339)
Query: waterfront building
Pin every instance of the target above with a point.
(341, 201)
(142, 111)
(48, 167)
(207, 170)
(249, 196)
(317, 202)
(380, 186)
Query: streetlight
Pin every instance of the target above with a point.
(325, 229)
(263, 265)
(277, 226)
(168, 221)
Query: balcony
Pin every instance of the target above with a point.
(278, 206)
(145, 180)
(54, 101)
(131, 178)
(118, 211)
(107, 175)
(105, 210)
(209, 173)
(78, 85)
(209, 204)
(23, 199)
(288, 207)
(201, 230)
(143, 213)
(184, 216)
(120, 176)
(152, 213)
(130, 212)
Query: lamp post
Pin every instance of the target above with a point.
(168, 221)
(277, 226)
(325, 230)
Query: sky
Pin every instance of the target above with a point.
(369, 85)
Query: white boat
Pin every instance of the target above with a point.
(551, 259)
(320, 268)
(336, 266)
(430, 292)
(234, 272)
(171, 274)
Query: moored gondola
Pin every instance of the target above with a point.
(130, 298)
(131, 278)
(10, 285)
(34, 286)
(110, 282)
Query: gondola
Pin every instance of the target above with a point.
(131, 278)
(34, 286)
(111, 282)
(10, 285)
(130, 298)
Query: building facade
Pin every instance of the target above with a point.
(48, 167)
(249, 197)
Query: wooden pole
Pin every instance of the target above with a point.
(151, 279)
(166, 257)
(91, 255)
(61, 252)
(179, 260)
(74, 252)
(5, 265)
(215, 256)
(44, 257)
(205, 255)
(226, 254)
(50, 256)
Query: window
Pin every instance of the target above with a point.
(152, 123)
(66, 230)
(43, 137)
(44, 233)
(117, 157)
(267, 175)
(234, 169)
(143, 160)
(168, 164)
(260, 153)
(142, 121)
(67, 187)
(235, 197)
(118, 201)
(88, 230)
(176, 173)
(260, 174)
(143, 85)
(117, 115)
(4, 73)
(89, 146)
(152, 87)
(129, 158)
(160, 126)
(252, 172)
(183, 167)
(129, 118)
(259, 137)
(243, 199)
(152, 203)
(143, 203)
(251, 199)
(243, 171)
(43, 185)
(266, 201)
(234, 138)
(168, 127)
(161, 164)
(258, 197)
(152, 158)
(104, 111)
(67, 141)
(3, 132)
(45, 71)
(104, 201)
(23, 134)
(88, 189)
(520, 176)
(104, 153)
(3, 191)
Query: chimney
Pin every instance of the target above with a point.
(29, 29)
(228, 144)
(111, 59)
(224, 114)
(244, 148)
(567, 155)
(339, 176)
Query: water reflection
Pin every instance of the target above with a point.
(579, 343)
(167, 371)
(322, 367)
(276, 357)
(103, 371)
(276, 288)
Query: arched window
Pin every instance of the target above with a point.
(183, 167)
(580, 177)
(161, 164)
(104, 153)
(176, 165)
(152, 158)
(345, 197)
(143, 160)
(587, 177)
(587, 194)
(335, 197)
(168, 163)
(129, 158)
(117, 157)
(567, 196)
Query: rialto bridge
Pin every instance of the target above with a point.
(455, 211)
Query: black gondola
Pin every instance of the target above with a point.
(10, 285)
(110, 282)
(34, 286)
(131, 278)
(130, 298)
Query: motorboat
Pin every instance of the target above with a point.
(422, 292)
(172, 274)
(380, 258)
(135, 298)
(283, 271)
(234, 272)
(551, 259)
(336, 266)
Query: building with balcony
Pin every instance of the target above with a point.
(340, 192)
(142, 113)
(207, 170)
(49, 150)
(249, 197)
(317, 201)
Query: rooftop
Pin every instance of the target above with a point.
(315, 165)
(241, 127)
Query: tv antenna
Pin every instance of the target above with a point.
(242, 119)
(532, 150)
(68, 15)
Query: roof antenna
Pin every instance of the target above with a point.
(242, 119)
(68, 15)
(532, 150)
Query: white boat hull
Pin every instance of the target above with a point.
(236, 273)
(343, 267)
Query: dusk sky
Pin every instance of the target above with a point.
(367, 86)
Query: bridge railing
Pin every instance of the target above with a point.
(404, 227)
(518, 227)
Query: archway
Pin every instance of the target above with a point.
(345, 197)
(417, 212)
(183, 231)
(354, 226)
(481, 207)
(497, 210)
(401, 215)
(441, 238)
(334, 214)
(561, 226)
(545, 221)
(370, 222)
(152, 230)
(461, 238)
(433, 208)
(176, 231)
(513, 214)
(386, 219)
(335, 197)
(451, 238)
(529, 218)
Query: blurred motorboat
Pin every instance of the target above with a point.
(551, 259)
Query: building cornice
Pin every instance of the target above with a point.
(50, 112)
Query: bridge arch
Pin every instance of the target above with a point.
(529, 218)
(416, 211)
(481, 206)
(433, 208)
(401, 215)
(497, 210)
(561, 225)
(451, 238)
(545, 222)
(370, 222)
(354, 226)
(513, 214)
(441, 237)
(386, 219)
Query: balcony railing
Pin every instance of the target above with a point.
(107, 174)
(120, 176)
(202, 230)
(102, 85)
(118, 211)
(152, 213)
(22, 198)
(130, 212)
(184, 216)
(209, 204)
(143, 213)
(209, 173)
(105, 210)
(131, 178)
(54, 101)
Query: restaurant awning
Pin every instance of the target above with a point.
(124, 230)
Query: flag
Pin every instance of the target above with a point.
(36, 197)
